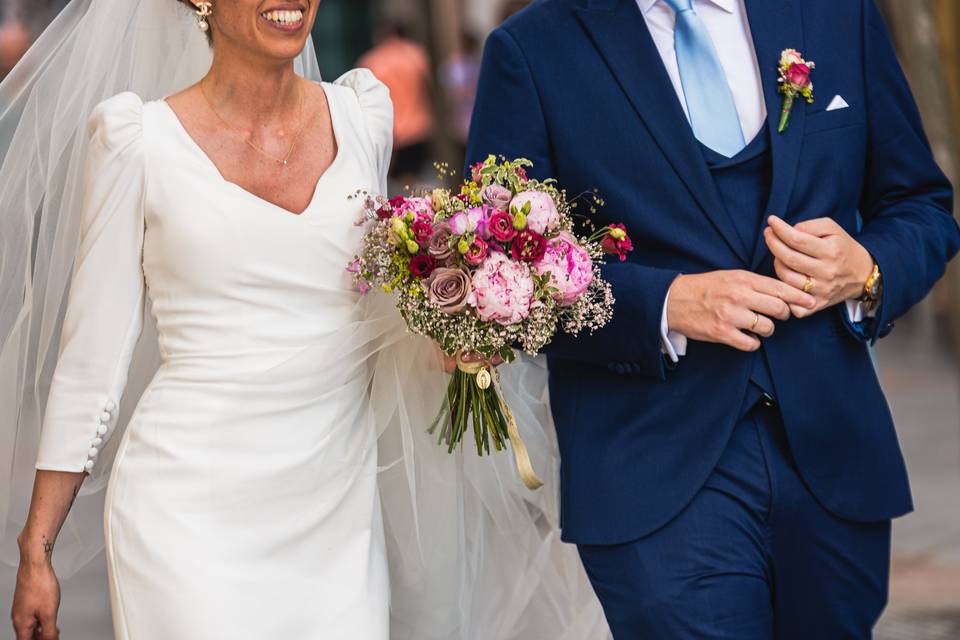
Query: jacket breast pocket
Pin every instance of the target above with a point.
(823, 120)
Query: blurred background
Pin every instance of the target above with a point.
(428, 51)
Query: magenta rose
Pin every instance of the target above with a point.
(497, 196)
(543, 216)
(617, 242)
(501, 227)
(477, 253)
(439, 246)
(503, 290)
(421, 265)
(449, 289)
(422, 231)
(529, 246)
(798, 74)
(569, 266)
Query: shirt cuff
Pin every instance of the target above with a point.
(672, 343)
(856, 313)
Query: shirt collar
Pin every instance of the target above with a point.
(726, 5)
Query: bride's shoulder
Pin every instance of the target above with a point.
(118, 120)
(371, 100)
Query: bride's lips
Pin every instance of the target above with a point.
(287, 17)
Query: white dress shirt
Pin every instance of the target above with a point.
(729, 28)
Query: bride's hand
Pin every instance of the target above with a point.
(36, 600)
(450, 362)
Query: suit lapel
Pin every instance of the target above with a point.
(777, 26)
(620, 33)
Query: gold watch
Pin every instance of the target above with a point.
(872, 289)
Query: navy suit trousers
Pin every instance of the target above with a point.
(753, 556)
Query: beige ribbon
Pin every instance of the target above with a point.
(520, 453)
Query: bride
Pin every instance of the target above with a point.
(272, 478)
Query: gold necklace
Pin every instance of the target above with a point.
(246, 136)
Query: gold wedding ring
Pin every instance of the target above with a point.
(808, 285)
(756, 321)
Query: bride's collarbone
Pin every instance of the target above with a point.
(261, 172)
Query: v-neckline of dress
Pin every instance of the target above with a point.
(210, 163)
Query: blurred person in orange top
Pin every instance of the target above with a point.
(14, 42)
(403, 65)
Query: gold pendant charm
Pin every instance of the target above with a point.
(484, 379)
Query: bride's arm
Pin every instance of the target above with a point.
(37, 596)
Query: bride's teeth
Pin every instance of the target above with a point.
(284, 17)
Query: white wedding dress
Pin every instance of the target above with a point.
(243, 499)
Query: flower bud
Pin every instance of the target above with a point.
(463, 246)
(412, 246)
(519, 220)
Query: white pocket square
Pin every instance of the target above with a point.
(837, 103)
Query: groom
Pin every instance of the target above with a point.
(730, 466)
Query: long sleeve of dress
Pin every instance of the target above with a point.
(377, 109)
(104, 315)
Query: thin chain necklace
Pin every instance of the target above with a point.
(246, 136)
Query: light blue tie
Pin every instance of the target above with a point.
(712, 111)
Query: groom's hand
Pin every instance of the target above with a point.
(735, 308)
(837, 265)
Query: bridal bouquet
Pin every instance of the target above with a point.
(491, 266)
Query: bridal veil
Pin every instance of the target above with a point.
(473, 553)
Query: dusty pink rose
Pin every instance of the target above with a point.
(497, 196)
(798, 74)
(449, 289)
(501, 227)
(569, 266)
(503, 290)
(543, 216)
(439, 246)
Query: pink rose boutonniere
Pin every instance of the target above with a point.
(794, 81)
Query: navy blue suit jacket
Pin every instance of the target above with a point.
(579, 88)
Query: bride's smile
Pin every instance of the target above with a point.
(286, 17)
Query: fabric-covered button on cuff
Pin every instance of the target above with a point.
(89, 465)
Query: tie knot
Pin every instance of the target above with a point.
(679, 6)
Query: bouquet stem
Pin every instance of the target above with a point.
(474, 398)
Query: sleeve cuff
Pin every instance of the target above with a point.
(672, 343)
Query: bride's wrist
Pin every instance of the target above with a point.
(35, 550)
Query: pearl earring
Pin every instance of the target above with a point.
(204, 9)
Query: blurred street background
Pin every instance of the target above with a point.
(428, 51)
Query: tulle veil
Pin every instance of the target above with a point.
(473, 553)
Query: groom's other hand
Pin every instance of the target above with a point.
(735, 308)
(837, 265)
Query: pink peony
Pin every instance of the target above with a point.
(503, 290)
(569, 266)
(501, 227)
(543, 216)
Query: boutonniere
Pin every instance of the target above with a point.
(794, 81)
